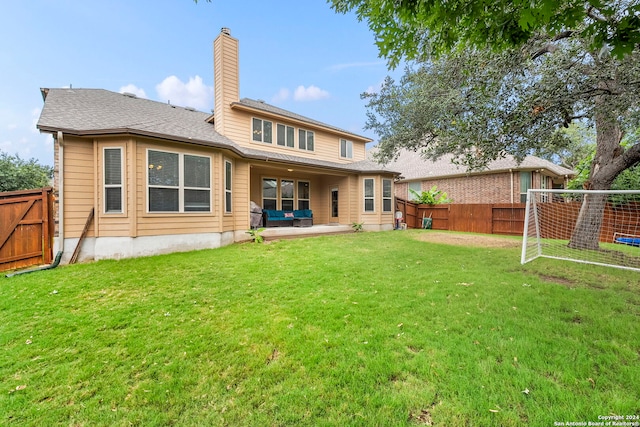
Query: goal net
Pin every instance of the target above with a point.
(593, 227)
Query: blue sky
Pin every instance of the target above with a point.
(297, 54)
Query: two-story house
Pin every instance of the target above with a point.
(161, 178)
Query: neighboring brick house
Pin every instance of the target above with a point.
(503, 181)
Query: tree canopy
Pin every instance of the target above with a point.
(412, 28)
(18, 174)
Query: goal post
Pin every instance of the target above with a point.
(587, 226)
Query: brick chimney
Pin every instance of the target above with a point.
(225, 76)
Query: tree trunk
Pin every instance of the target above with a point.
(604, 169)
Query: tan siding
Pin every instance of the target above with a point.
(240, 194)
(238, 127)
(78, 185)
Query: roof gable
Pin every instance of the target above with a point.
(87, 112)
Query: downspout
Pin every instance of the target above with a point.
(60, 192)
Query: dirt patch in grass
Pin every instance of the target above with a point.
(477, 240)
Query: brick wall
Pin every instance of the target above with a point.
(489, 188)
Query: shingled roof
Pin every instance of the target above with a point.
(272, 109)
(92, 112)
(414, 167)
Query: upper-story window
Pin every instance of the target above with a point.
(113, 193)
(285, 135)
(262, 131)
(346, 149)
(305, 139)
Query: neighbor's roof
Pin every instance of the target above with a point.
(93, 112)
(413, 166)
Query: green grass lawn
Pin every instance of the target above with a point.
(371, 329)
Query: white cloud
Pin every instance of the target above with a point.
(374, 89)
(12, 126)
(311, 93)
(131, 88)
(194, 93)
(282, 95)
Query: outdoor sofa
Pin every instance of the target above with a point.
(280, 218)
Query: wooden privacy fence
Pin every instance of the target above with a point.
(501, 218)
(26, 228)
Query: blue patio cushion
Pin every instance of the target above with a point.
(275, 215)
(303, 213)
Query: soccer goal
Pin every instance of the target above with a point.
(593, 227)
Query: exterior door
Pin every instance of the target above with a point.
(334, 205)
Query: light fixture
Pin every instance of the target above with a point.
(289, 170)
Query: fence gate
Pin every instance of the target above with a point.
(26, 228)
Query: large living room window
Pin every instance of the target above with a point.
(282, 194)
(262, 131)
(178, 182)
(305, 139)
(113, 180)
(346, 149)
(386, 195)
(369, 195)
(285, 136)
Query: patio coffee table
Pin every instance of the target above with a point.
(302, 222)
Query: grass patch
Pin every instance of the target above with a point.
(357, 329)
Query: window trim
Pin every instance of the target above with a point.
(228, 187)
(346, 149)
(287, 142)
(277, 199)
(372, 197)
(105, 185)
(389, 197)
(181, 187)
(298, 198)
(307, 133)
(261, 133)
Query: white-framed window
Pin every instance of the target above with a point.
(386, 195)
(285, 135)
(287, 194)
(304, 195)
(415, 186)
(305, 140)
(113, 194)
(369, 194)
(346, 149)
(178, 182)
(228, 169)
(525, 184)
(262, 130)
(269, 193)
